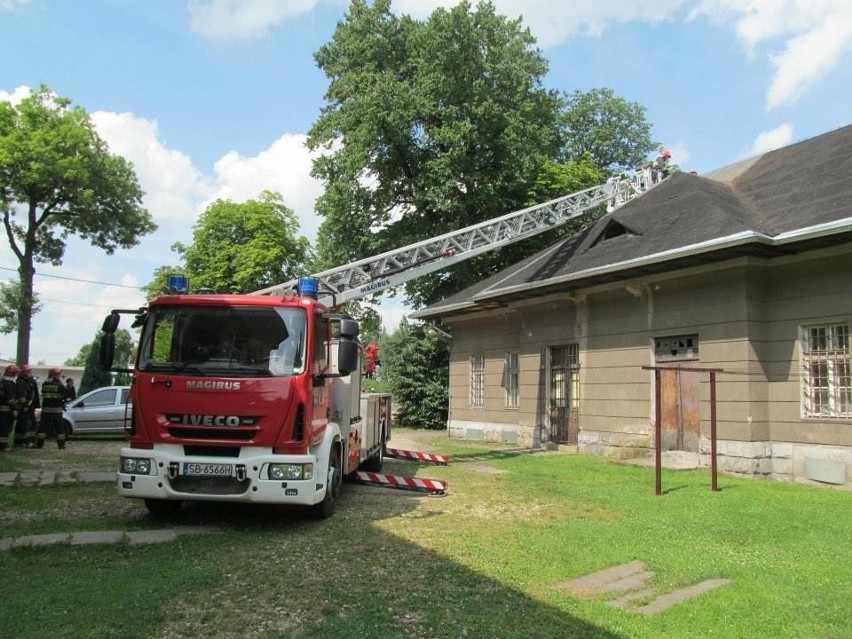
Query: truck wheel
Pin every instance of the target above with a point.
(328, 505)
(374, 463)
(162, 508)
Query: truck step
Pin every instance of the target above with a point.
(443, 460)
(432, 486)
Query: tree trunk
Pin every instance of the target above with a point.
(25, 311)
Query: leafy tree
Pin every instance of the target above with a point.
(94, 375)
(81, 357)
(416, 368)
(429, 126)
(125, 355)
(11, 299)
(244, 247)
(610, 130)
(58, 178)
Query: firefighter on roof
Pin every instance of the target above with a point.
(53, 395)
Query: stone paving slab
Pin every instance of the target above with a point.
(8, 479)
(139, 537)
(41, 540)
(594, 582)
(670, 599)
(625, 600)
(631, 582)
(97, 537)
(630, 579)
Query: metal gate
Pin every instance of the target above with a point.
(564, 395)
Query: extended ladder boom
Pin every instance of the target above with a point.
(375, 274)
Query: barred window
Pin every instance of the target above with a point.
(511, 380)
(477, 381)
(826, 371)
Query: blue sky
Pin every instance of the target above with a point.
(212, 99)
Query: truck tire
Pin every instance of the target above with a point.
(162, 508)
(374, 464)
(326, 508)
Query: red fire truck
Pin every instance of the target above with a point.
(256, 398)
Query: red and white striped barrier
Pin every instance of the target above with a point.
(411, 454)
(433, 486)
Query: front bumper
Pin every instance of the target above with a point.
(248, 482)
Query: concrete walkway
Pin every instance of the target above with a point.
(51, 477)
(133, 537)
(64, 477)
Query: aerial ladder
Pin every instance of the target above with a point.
(376, 274)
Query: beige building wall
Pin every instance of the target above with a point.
(747, 314)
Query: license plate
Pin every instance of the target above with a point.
(208, 470)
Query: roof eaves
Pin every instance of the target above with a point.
(744, 237)
(737, 239)
(438, 310)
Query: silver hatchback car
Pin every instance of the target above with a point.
(102, 410)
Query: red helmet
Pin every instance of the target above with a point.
(11, 370)
(54, 372)
(666, 153)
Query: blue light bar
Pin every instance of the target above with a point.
(177, 284)
(308, 287)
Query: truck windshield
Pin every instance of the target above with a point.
(224, 340)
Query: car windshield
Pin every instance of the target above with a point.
(224, 340)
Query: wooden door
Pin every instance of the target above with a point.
(680, 410)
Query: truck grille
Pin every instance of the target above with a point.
(209, 485)
(207, 433)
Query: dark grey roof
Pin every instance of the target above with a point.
(788, 200)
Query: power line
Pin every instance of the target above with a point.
(47, 299)
(72, 279)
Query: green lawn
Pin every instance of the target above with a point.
(488, 560)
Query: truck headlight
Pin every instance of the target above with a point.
(283, 472)
(135, 465)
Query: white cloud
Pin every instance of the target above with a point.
(15, 96)
(808, 58)
(804, 40)
(773, 139)
(242, 19)
(283, 167)
(553, 23)
(11, 5)
(173, 185)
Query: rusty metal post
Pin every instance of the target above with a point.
(714, 486)
(658, 433)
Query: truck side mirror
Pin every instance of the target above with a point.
(349, 328)
(347, 355)
(111, 323)
(106, 353)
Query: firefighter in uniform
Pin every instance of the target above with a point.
(8, 404)
(53, 395)
(28, 402)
